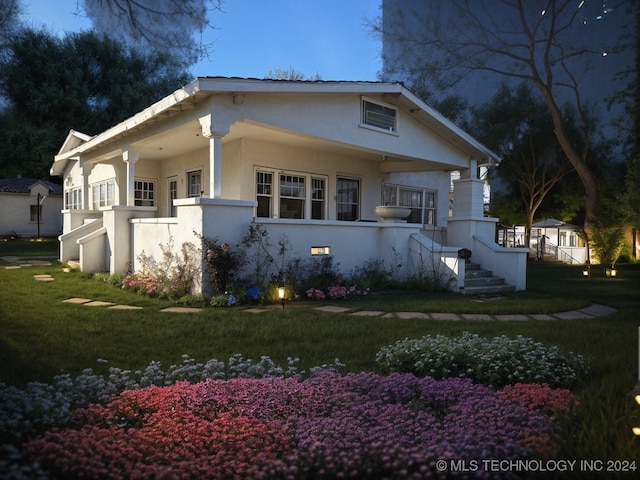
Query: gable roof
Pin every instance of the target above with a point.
(202, 87)
(24, 185)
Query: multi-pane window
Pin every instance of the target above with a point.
(35, 213)
(103, 194)
(144, 193)
(73, 199)
(292, 196)
(264, 192)
(421, 202)
(173, 194)
(194, 183)
(379, 115)
(348, 199)
(318, 194)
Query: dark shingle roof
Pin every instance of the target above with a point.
(23, 185)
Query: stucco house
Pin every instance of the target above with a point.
(308, 160)
(558, 240)
(30, 207)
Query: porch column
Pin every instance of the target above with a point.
(86, 171)
(214, 133)
(215, 166)
(130, 157)
(468, 194)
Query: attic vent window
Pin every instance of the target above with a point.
(379, 116)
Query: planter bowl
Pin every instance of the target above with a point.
(392, 214)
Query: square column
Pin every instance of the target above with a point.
(130, 157)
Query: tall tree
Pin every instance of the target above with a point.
(170, 27)
(10, 11)
(516, 125)
(516, 39)
(82, 81)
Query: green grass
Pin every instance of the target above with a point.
(40, 336)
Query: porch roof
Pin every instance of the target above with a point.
(186, 99)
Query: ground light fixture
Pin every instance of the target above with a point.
(281, 294)
(611, 272)
(586, 271)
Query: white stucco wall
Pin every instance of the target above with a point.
(15, 213)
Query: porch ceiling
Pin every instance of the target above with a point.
(188, 137)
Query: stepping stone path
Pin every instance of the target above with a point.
(592, 311)
(44, 278)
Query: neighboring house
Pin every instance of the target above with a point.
(551, 238)
(308, 160)
(30, 207)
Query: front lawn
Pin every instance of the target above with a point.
(40, 336)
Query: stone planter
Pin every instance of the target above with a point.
(392, 214)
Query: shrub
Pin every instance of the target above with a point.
(221, 261)
(498, 361)
(172, 277)
(328, 426)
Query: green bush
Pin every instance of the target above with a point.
(499, 361)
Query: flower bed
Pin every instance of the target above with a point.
(498, 361)
(327, 426)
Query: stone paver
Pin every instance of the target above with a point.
(97, 303)
(513, 316)
(445, 316)
(256, 310)
(181, 310)
(572, 315)
(598, 310)
(43, 278)
(476, 316)
(412, 315)
(331, 308)
(77, 300)
(541, 316)
(124, 307)
(367, 313)
(12, 267)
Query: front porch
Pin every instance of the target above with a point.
(407, 248)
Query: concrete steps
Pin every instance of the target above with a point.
(478, 281)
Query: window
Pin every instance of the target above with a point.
(73, 199)
(35, 213)
(421, 202)
(144, 193)
(103, 194)
(318, 194)
(348, 199)
(292, 196)
(264, 192)
(194, 183)
(173, 194)
(379, 115)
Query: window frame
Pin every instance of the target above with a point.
(35, 213)
(191, 174)
(276, 196)
(365, 122)
(147, 194)
(103, 194)
(428, 214)
(73, 199)
(358, 203)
